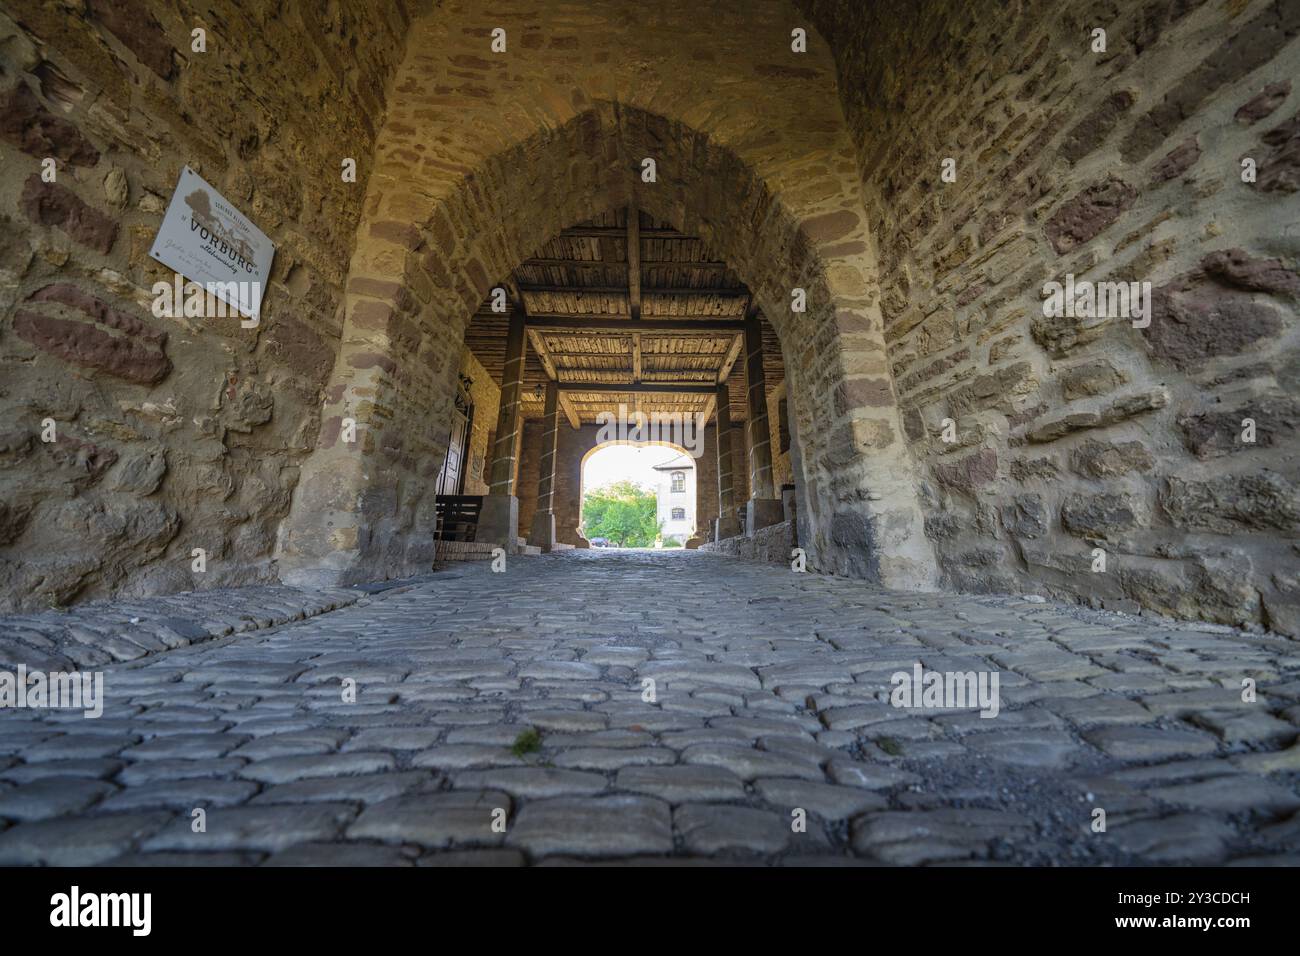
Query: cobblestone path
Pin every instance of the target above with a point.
(770, 706)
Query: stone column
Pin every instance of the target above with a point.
(498, 521)
(763, 507)
(728, 526)
(543, 530)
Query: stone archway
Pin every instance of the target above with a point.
(363, 508)
(483, 157)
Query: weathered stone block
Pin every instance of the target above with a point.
(38, 132)
(82, 343)
(1025, 469)
(1099, 460)
(1085, 216)
(1094, 378)
(1182, 158)
(49, 204)
(1025, 516)
(1260, 106)
(1280, 169)
(1061, 335)
(969, 473)
(1117, 411)
(1093, 129)
(1232, 503)
(993, 390)
(1210, 434)
(1209, 312)
(1098, 516)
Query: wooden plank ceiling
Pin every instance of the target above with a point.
(599, 319)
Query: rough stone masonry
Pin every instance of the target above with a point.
(1168, 154)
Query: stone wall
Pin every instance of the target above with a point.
(486, 396)
(771, 545)
(529, 469)
(1082, 434)
(706, 485)
(172, 434)
(740, 462)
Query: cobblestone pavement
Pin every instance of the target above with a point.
(767, 686)
(103, 632)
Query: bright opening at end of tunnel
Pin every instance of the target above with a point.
(638, 496)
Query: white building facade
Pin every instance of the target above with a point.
(676, 498)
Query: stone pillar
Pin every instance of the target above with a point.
(543, 530)
(727, 526)
(498, 521)
(763, 507)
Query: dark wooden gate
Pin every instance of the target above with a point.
(451, 479)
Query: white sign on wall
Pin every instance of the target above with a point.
(207, 240)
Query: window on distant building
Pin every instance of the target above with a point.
(679, 514)
(679, 482)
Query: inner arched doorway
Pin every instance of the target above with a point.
(647, 337)
(676, 477)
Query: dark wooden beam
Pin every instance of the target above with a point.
(732, 354)
(656, 388)
(539, 348)
(634, 261)
(619, 264)
(556, 322)
(720, 291)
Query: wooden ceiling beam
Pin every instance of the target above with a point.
(733, 353)
(535, 339)
(545, 262)
(634, 287)
(571, 413)
(727, 292)
(645, 388)
(634, 261)
(548, 363)
(559, 322)
(559, 354)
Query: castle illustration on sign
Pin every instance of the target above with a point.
(228, 230)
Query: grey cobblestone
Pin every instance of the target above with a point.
(601, 826)
(435, 820)
(98, 633)
(499, 720)
(709, 829)
(51, 797)
(269, 828)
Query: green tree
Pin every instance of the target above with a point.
(622, 511)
